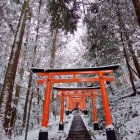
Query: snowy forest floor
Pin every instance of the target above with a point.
(125, 114)
(126, 118)
(54, 134)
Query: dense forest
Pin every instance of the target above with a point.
(68, 34)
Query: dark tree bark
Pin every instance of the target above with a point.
(126, 35)
(28, 116)
(123, 35)
(136, 4)
(6, 96)
(30, 77)
(18, 87)
(53, 49)
(134, 58)
(52, 60)
(26, 101)
(130, 73)
(15, 102)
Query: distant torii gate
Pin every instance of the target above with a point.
(75, 105)
(70, 107)
(53, 76)
(74, 92)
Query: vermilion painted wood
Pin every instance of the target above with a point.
(83, 103)
(62, 108)
(94, 115)
(46, 105)
(70, 104)
(77, 100)
(42, 81)
(108, 118)
(51, 73)
(79, 94)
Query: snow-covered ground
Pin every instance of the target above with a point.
(126, 118)
(125, 114)
(53, 132)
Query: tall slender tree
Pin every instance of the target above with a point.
(6, 97)
(31, 76)
(123, 35)
(53, 48)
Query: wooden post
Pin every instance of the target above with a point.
(67, 106)
(83, 106)
(108, 118)
(61, 124)
(110, 132)
(70, 105)
(94, 113)
(43, 134)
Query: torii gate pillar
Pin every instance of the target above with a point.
(43, 134)
(110, 132)
(61, 124)
(67, 106)
(83, 106)
(94, 114)
(70, 105)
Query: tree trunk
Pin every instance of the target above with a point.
(126, 35)
(15, 102)
(17, 93)
(130, 72)
(122, 28)
(28, 117)
(136, 4)
(52, 61)
(30, 77)
(5, 112)
(53, 50)
(134, 58)
(26, 102)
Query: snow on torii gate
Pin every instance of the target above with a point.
(52, 77)
(71, 92)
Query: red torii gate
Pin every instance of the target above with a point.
(76, 90)
(86, 92)
(53, 76)
(77, 105)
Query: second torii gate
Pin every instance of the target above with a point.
(73, 102)
(57, 76)
(74, 92)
